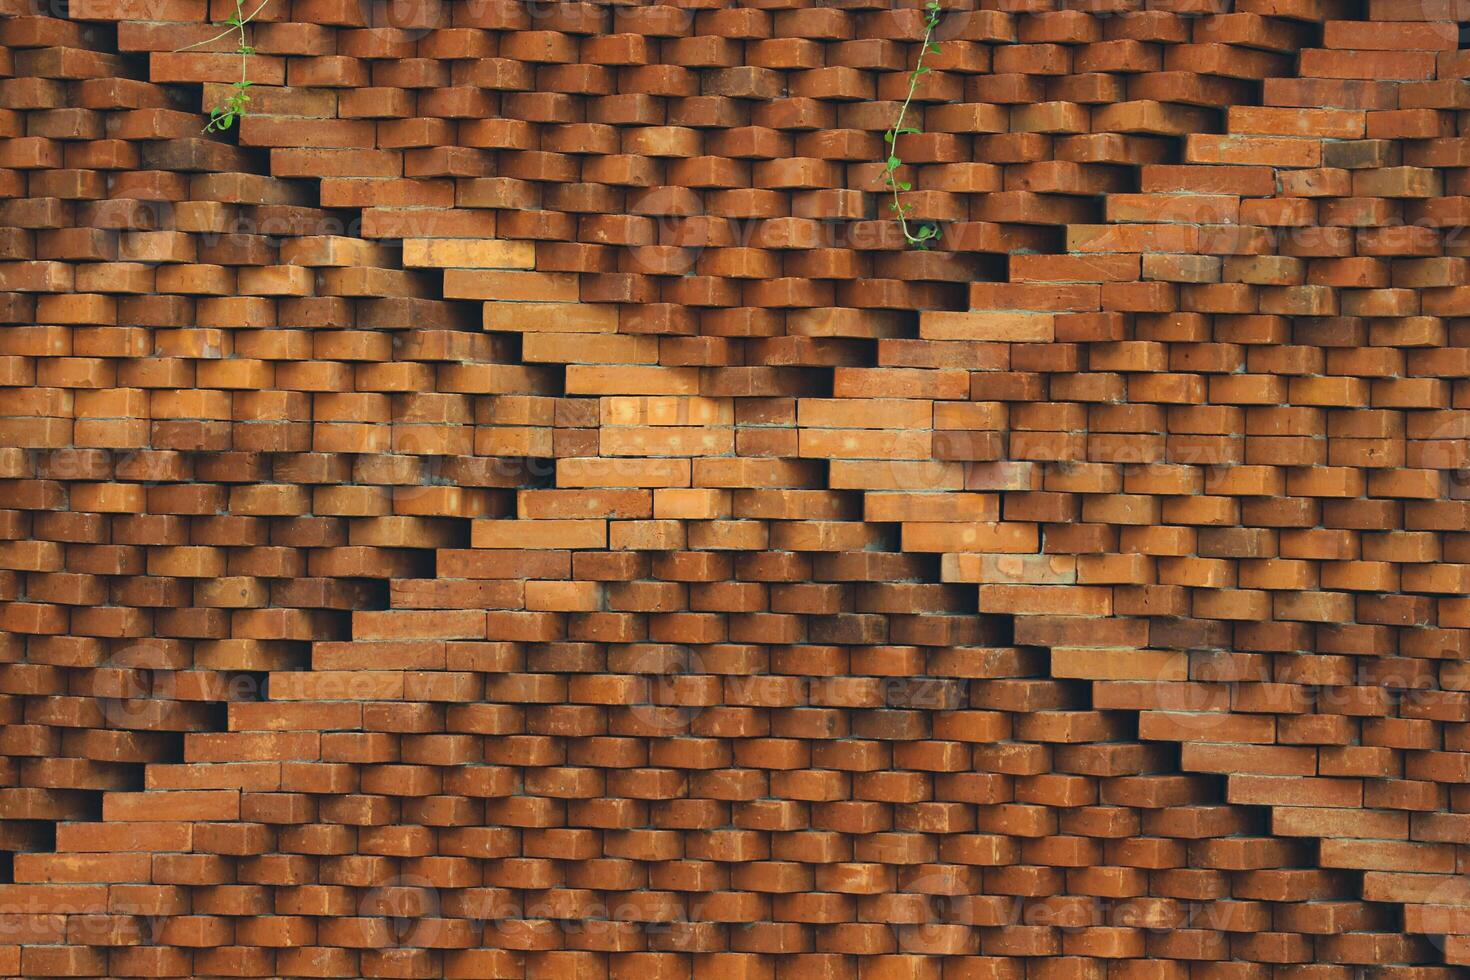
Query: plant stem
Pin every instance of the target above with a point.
(890, 178)
(226, 32)
(223, 116)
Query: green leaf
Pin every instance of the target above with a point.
(904, 185)
(894, 163)
(220, 119)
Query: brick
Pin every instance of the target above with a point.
(556, 533)
(1252, 151)
(1284, 791)
(1105, 663)
(1014, 327)
(180, 805)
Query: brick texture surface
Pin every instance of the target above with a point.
(514, 506)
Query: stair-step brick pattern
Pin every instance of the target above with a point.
(513, 504)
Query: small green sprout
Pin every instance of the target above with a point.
(232, 107)
(925, 235)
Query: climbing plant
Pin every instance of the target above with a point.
(924, 235)
(232, 106)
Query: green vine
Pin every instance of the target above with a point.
(926, 234)
(232, 107)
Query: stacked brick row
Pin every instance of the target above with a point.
(515, 506)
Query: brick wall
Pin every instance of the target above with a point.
(513, 505)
